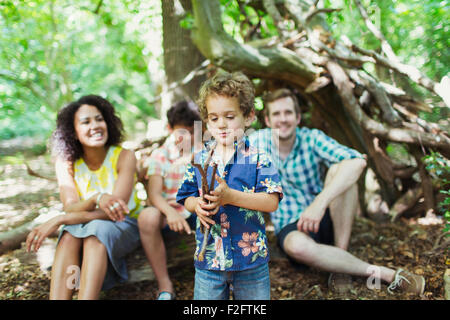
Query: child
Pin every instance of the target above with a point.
(166, 167)
(246, 183)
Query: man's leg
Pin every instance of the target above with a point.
(303, 249)
(150, 223)
(342, 211)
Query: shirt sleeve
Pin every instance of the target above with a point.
(189, 187)
(267, 177)
(156, 164)
(330, 151)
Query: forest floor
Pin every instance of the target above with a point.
(407, 243)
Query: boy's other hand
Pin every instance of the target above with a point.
(220, 195)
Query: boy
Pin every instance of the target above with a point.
(246, 184)
(166, 167)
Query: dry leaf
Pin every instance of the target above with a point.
(408, 254)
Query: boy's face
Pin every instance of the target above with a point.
(183, 136)
(226, 122)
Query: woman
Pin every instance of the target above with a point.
(96, 179)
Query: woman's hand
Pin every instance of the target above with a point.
(113, 206)
(38, 234)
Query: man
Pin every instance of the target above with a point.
(313, 222)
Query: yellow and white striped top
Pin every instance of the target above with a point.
(90, 182)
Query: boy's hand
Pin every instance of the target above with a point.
(177, 222)
(220, 195)
(202, 213)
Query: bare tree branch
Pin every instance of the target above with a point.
(345, 91)
(411, 72)
(385, 46)
(322, 10)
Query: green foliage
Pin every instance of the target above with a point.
(416, 30)
(439, 168)
(56, 51)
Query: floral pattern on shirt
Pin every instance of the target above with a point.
(237, 241)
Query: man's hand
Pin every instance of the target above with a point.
(310, 218)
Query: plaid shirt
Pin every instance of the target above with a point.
(166, 162)
(238, 239)
(300, 172)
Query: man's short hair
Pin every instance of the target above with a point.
(233, 85)
(269, 97)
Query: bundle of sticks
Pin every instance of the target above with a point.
(206, 189)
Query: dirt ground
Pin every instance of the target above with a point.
(406, 244)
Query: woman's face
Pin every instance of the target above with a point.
(90, 127)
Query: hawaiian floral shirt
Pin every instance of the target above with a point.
(237, 240)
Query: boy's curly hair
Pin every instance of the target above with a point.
(227, 84)
(64, 142)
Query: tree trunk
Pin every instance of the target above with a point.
(181, 56)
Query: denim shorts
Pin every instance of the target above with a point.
(250, 284)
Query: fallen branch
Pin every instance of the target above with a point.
(405, 202)
(33, 173)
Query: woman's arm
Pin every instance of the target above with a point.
(123, 187)
(68, 190)
(38, 234)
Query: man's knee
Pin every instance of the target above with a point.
(331, 172)
(149, 219)
(300, 247)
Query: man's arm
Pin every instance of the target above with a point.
(347, 173)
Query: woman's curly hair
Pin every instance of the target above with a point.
(227, 84)
(64, 141)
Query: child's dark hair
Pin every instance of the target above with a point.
(64, 140)
(183, 113)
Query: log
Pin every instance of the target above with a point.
(405, 202)
(12, 239)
